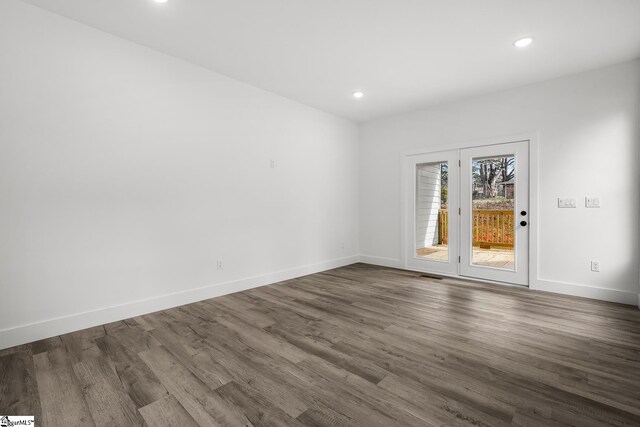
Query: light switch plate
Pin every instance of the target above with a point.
(592, 202)
(566, 202)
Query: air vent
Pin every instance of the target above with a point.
(428, 276)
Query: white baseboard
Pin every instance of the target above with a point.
(603, 294)
(39, 330)
(49, 328)
(383, 262)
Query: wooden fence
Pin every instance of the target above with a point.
(491, 228)
(443, 227)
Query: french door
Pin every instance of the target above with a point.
(494, 212)
(432, 212)
(467, 212)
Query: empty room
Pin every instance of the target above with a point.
(319, 213)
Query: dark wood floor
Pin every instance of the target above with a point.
(359, 345)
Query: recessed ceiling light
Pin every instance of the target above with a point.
(160, 1)
(524, 42)
(358, 94)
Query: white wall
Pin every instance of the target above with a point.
(588, 134)
(125, 174)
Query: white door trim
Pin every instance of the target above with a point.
(533, 139)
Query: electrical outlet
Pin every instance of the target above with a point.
(273, 164)
(219, 264)
(595, 266)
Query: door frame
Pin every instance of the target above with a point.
(533, 198)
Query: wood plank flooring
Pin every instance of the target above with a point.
(359, 345)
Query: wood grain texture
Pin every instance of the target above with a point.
(18, 385)
(167, 412)
(356, 346)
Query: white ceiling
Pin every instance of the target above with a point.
(404, 54)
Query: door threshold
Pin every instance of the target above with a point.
(440, 276)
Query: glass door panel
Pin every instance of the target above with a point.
(431, 232)
(431, 216)
(493, 196)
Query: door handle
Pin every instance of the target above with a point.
(523, 223)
